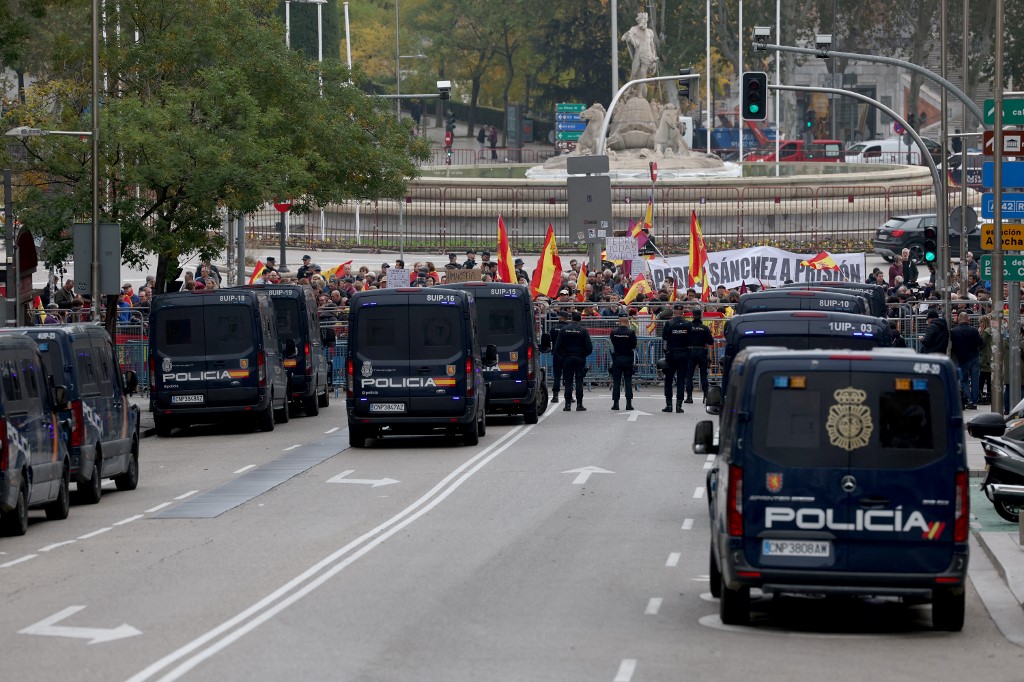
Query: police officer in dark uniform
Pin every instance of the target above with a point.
(558, 359)
(700, 341)
(575, 346)
(453, 263)
(676, 335)
(470, 260)
(623, 340)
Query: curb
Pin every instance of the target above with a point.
(999, 584)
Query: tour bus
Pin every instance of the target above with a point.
(796, 299)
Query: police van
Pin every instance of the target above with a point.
(104, 438)
(35, 467)
(801, 330)
(797, 299)
(517, 384)
(298, 329)
(839, 473)
(874, 293)
(414, 365)
(215, 354)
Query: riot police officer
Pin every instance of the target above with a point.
(575, 346)
(700, 341)
(558, 359)
(676, 335)
(623, 340)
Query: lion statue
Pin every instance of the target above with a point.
(670, 134)
(587, 144)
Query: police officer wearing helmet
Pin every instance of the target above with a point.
(676, 335)
(558, 359)
(623, 340)
(575, 346)
(700, 340)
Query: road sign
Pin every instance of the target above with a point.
(1013, 142)
(898, 128)
(571, 126)
(1012, 233)
(570, 136)
(1013, 268)
(1013, 112)
(957, 223)
(1013, 205)
(1013, 174)
(569, 107)
(590, 208)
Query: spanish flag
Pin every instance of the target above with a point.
(336, 271)
(823, 261)
(257, 272)
(37, 306)
(647, 223)
(581, 284)
(506, 268)
(675, 291)
(547, 278)
(639, 286)
(698, 251)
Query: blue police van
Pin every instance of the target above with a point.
(874, 293)
(839, 473)
(799, 299)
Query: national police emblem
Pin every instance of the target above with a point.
(773, 482)
(167, 365)
(849, 421)
(367, 369)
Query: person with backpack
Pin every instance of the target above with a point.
(481, 137)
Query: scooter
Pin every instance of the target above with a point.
(1002, 439)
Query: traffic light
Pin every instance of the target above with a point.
(912, 120)
(684, 84)
(755, 91)
(448, 156)
(930, 246)
(809, 119)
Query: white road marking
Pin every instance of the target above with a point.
(673, 560)
(158, 507)
(585, 473)
(18, 561)
(94, 533)
(245, 468)
(653, 606)
(702, 579)
(48, 627)
(130, 519)
(626, 670)
(332, 430)
(373, 483)
(109, 483)
(56, 545)
(687, 524)
(709, 458)
(698, 493)
(636, 414)
(292, 447)
(190, 493)
(708, 466)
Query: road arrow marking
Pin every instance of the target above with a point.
(636, 414)
(585, 472)
(340, 478)
(49, 627)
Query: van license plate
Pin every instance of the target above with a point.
(186, 399)
(387, 407)
(810, 548)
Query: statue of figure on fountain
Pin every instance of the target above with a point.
(642, 44)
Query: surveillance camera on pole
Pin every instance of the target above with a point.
(444, 89)
(823, 42)
(761, 36)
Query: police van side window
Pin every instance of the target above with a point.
(30, 379)
(86, 366)
(101, 356)
(13, 399)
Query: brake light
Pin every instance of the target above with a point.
(305, 354)
(261, 368)
(470, 384)
(962, 509)
(529, 362)
(349, 378)
(77, 424)
(734, 502)
(896, 233)
(849, 357)
(808, 314)
(3, 445)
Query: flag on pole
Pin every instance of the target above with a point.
(581, 284)
(823, 261)
(547, 278)
(698, 251)
(674, 296)
(506, 268)
(641, 285)
(37, 306)
(636, 229)
(257, 272)
(705, 295)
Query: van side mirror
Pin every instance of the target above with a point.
(490, 355)
(131, 382)
(60, 398)
(713, 400)
(290, 349)
(704, 438)
(545, 343)
(987, 424)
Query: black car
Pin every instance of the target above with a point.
(907, 231)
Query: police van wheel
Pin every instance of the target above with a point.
(734, 605)
(163, 426)
(91, 491)
(948, 609)
(266, 422)
(324, 399)
(471, 434)
(59, 508)
(481, 427)
(531, 416)
(15, 522)
(714, 575)
(311, 405)
(356, 437)
(282, 416)
(129, 480)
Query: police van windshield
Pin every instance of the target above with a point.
(287, 311)
(51, 359)
(806, 342)
(430, 332)
(837, 419)
(205, 330)
(500, 321)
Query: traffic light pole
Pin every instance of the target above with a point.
(602, 138)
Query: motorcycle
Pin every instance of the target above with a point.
(1002, 439)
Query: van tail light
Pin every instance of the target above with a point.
(529, 362)
(77, 424)
(470, 384)
(261, 368)
(962, 508)
(349, 378)
(4, 463)
(152, 375)
(734, 502)
(305, 355)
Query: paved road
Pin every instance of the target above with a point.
(494, 562)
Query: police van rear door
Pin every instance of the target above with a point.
(289, 326)
(502, 320)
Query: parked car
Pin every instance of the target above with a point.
(819, 151)
(907, 231)
(892, 150)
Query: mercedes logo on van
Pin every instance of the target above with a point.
(848, 484)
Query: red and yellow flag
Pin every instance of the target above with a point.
(336, 272)
(506, 268)
(823, 261)
(641, 285)
(37, 306)
(698, 251)
(674, 296)
(547, 278)
(257, 272)
(581, 284)
(647, 223)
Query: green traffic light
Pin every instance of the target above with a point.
(930, 256)
(754, 108)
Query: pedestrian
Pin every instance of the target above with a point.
(966, 344)
(910, 272)
(985, 361)
(896, 339)
(470, 260)
(453, 263)
(65, 296)
(676, 336)
(623, 340)
(305, 270)
(557, 359)
(481, 138)
(575, 345)
(936, 336)
(492, 136)
(895, 270)
(701, 340)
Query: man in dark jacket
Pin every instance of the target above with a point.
(701, 340)
(966, 341)
(623, 340)
(575, 346)
(676, 335)
(936, 337)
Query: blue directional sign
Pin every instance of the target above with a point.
(1013, 205)
(577, 126)
(1013, 174)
